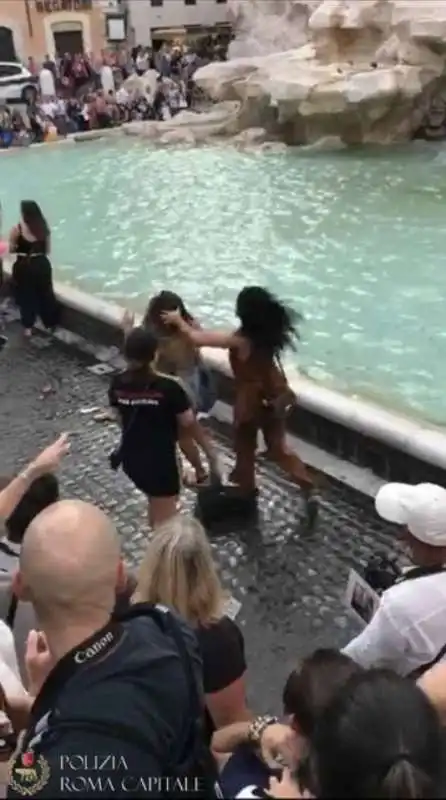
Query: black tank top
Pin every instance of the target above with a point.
(29, 248)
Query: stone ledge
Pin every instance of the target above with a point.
(353, 429)
(70, 138)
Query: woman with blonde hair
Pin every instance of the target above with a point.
(178, 571)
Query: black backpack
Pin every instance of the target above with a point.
(200, 764)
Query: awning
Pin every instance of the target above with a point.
(167, 33)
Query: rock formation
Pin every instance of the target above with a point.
(188, 127)
(268, 26)
(359, 70)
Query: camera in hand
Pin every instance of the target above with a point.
(381, 572)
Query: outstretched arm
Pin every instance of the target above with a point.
(199, 337)
(47, 461)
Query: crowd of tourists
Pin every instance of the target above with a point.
(135, 683)
(80, 93)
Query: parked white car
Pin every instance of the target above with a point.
(16, 83)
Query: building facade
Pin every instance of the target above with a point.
(149, 20)
(38, 27)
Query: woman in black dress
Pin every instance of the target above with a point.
(32, 280)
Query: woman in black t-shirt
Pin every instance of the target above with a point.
(178, 571)
(152, 409)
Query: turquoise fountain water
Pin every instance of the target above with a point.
(355, 240)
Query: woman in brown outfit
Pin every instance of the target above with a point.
(262, 394)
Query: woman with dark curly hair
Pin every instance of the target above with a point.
(262, 394)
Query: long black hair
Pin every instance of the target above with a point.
(308, 691)
(164, 301)
(311, 687)
(266, 322)
(35, 221)
(380, 737)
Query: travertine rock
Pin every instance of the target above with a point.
(250, 137)
(145, 129)
(188, 126)
(178, 136)
(273, 147)
(360, 70)
(268, 26)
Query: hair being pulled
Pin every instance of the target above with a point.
(164, 301)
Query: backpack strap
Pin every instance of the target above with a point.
(203, 757)
(413, 573)
(168, 624)
(419, 671)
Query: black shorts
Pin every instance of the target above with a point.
(154, 480)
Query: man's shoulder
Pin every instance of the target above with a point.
(151, 708)
(410, 593)
(163, 626)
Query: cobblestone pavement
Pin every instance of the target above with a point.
(290, 583)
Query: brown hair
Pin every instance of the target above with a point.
(310, 688)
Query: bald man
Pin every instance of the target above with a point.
(115, 712)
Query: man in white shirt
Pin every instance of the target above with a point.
(46, 83)
(408, 631)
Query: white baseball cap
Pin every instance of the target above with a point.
(422, 508)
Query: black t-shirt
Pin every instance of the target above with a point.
(223, 652)
(149, 406)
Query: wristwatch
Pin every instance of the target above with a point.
(257, 727)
